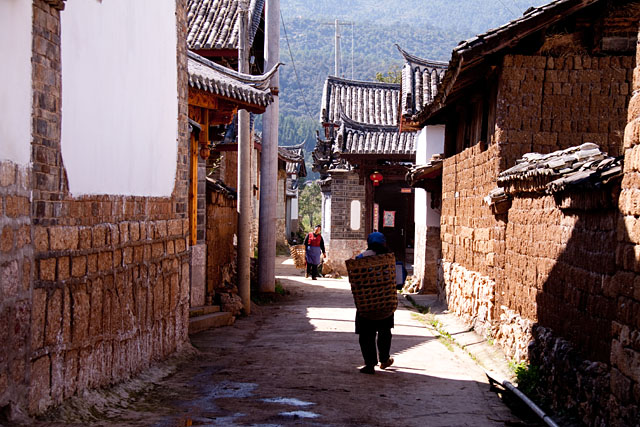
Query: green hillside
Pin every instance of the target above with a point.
(428, 29)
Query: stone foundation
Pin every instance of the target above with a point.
(468, 294)
(513, 333)
(574, 384)
(339, 251)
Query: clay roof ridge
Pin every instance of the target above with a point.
(420, 61)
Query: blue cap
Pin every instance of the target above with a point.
(376, 237)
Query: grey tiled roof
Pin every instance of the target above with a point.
(294, 158)
(213, 24)
(472, 51)
(222, 81)
(420, 80)
(366, 102)
(365, 139)
(580, 167)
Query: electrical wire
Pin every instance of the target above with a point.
(293, 63)
(515, 14)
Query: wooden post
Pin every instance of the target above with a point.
(244, 175)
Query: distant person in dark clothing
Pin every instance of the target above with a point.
(367, 328)
(314, 245)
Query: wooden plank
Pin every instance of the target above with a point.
(193, 192)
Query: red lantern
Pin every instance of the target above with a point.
(376, 178)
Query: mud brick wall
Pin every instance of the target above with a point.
(472, 237)
(111, 273)
(222, 224)
(16, 269)
(559, 267)
(625, 347)
(547, 104)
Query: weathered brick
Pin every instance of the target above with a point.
(99, 236)
(16, 206)
(81, 307)
(38, 315)
(63, 238)
(47, 269)
(40, 389)
(124, 232)
(63, 268)
(23, 236)
(9, 279)
(53, 328)
(127, 255)
(95, 321)
(78, 266)
(84, 236)
(134, 231)
(7, 174)
(175, 227)
(105, 261)
(70, 373)
(92, 263)
(6, 239)
(57, 377)
(41, 238)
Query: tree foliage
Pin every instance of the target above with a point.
(393, 75)
(309, 206)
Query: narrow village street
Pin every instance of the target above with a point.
(295, 362)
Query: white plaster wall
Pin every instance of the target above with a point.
(15, 80)
(294, 207)
(430, 142)
(326, 218)
(120, 96)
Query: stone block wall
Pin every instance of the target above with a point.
(16, 270)
(344, 243)
(345, 188)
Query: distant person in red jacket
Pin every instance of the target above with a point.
(314, 245)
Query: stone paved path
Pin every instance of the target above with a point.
(295, 362)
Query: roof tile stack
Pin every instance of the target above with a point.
(580, 167)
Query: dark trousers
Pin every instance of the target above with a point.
(367, 340)
(312, 270)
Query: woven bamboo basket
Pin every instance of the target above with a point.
(298, 254)
(373, 284)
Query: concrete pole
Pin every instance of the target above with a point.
(269, 160)
(337, 62)
(244, 175)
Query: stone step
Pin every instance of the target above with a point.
(209, 321)
(202, 310)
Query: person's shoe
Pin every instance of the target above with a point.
(385, 365)
(314, 278)
(367, 369)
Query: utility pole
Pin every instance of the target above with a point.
(337, 62)
(269, 159)
(244, 176)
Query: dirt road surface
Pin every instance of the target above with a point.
(295, 362)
